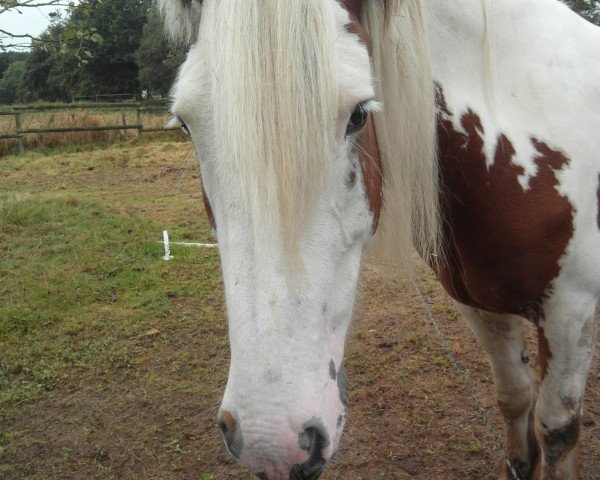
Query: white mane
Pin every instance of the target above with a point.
(277, 78)
(292, 118)
(406, 129)
(182, 19)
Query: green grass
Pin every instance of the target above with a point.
(109, 355)
(79, 283)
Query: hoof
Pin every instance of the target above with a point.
(524, 471)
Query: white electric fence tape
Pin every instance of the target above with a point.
(167, 256)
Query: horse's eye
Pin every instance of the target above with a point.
(357, 119)
(184, 128)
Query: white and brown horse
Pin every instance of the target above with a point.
(474, 122)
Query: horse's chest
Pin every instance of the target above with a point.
(503, 243)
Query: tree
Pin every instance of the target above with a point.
(111, 66)
(50, 75)
(12, 71)
(157, 60)
(105, 67)
(11, 83)
(6, 58)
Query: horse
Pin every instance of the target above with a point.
(464, 129)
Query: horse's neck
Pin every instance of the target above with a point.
(456, 40)
(533, 66)
(456, 33)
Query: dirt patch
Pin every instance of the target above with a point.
(410, 415)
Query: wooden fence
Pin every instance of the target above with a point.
(19, 132)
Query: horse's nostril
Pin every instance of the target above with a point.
(313, 439)
(231, 432)
(307, 471)
(226, 422)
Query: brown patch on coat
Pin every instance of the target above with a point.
(372, 169)
(355, 6)
(544, 352)
(354, 9)
(368, 148)
(502, 243)
(207, 207)
(229, 422)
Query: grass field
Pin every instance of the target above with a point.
(113, 361)
(84, 290)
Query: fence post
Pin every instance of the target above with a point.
(139, 122)
(20, 146)
(124, 122)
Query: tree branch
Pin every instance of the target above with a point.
(16, 35)
(6, 6)
(10, 40)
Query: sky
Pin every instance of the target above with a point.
(32, 20)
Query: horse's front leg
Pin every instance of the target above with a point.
(503, 338)
(566, 335)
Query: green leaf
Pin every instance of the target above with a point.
(97, 38)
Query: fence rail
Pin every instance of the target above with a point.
(95, 128)
(109, 96)
(20, 132)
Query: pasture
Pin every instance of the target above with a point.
(113, 361)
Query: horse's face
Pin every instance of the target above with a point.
(289, 302)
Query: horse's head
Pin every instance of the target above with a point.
(276, 96)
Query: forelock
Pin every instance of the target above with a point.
(182, 19)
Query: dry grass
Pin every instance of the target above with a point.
(80, 118)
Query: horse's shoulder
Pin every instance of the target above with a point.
(507, 223)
